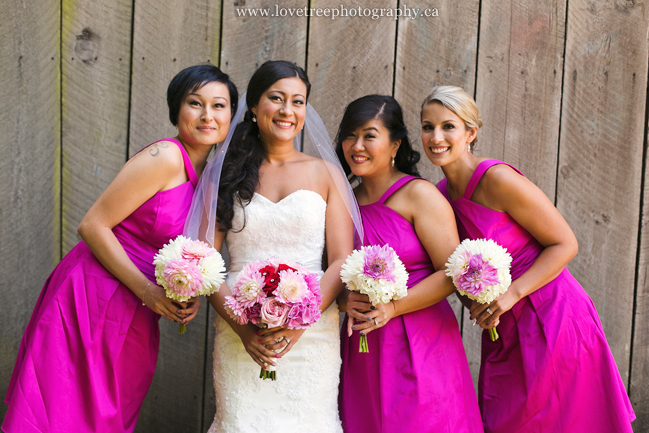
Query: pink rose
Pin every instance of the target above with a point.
(273, 312)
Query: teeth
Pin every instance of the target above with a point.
(439, 150)
(360, 158)
(283, 123)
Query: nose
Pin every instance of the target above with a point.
(206, 115)
(285, 109)
(358, 144)
(438, 136)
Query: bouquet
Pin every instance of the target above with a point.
(480, 270)
(188, 268)
(378, 273)
(272, 293)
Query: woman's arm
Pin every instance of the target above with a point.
(139, 179)
(504, 189)
(434, 224)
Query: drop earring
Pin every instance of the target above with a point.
(254, 118)
(392, 162)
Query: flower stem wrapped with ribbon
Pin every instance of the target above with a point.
(378, 273)
(480, 271)
(188, 268)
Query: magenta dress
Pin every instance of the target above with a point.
(551, 370)
(88, 354)
(415, 377)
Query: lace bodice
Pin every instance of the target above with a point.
(291, 229)
(305, 395)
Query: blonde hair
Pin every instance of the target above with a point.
(459, 102)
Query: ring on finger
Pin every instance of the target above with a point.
(287, 341)
(489, 311)
(375, 323)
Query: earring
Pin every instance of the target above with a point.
(392, 162)
(254, 118)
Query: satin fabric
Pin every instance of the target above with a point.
(89, 352)
(551, 370)
(415, 377)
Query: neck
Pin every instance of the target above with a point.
(374, 186)
(458, 174)
(197, 155)
(279, 153)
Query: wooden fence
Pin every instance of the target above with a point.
(561, 84)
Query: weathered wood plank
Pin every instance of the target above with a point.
(248, 41)
(434, 51)
(349, 57)
(520, 67)
(30, 165)
(639, 374)
(167, 37)
(600, 158)
(450, 60)
(518, 92)
(96, 43)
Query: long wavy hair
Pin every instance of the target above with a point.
(388, 111)
(240, 173)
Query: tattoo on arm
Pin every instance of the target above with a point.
(154, 149)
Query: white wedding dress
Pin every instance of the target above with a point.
(305, 395)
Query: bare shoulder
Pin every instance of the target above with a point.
(502, 176)
(423, 191)
(162, 155)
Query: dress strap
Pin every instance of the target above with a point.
(480, 170)
(396, 186)
(189, 168)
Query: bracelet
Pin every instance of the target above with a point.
(144, 294)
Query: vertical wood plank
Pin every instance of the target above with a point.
(518, 92)
(168, 36)
(639, 374)
(421, 65)
(349, 57)
(435, 51)
(248, 41)
(96, 58)
(30, 165)
(520, 67)
(600, 158)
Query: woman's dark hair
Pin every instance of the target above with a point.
(388, 111)
(240, 173)
(190, 80)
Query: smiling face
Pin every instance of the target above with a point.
(204, 115)
(368, 149)
(280, 111)
(444, 135)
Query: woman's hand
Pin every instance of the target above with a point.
(252, 342)
(280, 340)
(488, 315)
(370, 317)
(181, 312)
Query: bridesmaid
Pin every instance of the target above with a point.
(551, 370)
(415, 376)
(88, 354)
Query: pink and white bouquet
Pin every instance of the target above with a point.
(272, 293)
(480, 270)
(378, 273)
(188, 268)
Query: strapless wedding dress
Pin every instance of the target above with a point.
(305, 395)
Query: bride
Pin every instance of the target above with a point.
(274, 201)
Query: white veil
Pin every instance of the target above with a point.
(201, 220)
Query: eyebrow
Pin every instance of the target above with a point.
(214, 97)
(370, 128)
(284, 93)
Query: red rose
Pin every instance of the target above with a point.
(283, 267)
(271, 278)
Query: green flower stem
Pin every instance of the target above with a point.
(182, 329)
(265, 374)
(362, 347)
(494, 334)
